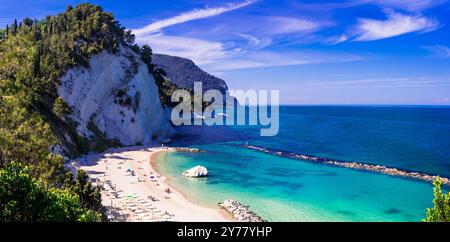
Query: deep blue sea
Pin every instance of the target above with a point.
(415, 138)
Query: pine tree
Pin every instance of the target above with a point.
(37, 62)
(14, 27)
(146, 56)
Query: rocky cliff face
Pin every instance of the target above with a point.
(117, 96)
(183, 73)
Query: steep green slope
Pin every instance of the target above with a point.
(33, 120)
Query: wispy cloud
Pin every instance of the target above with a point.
(396, 24)
(401, 82)
(199, 50)
(440, 51)
(219, 57)
(288, 25)
(259, 59)
(443, 100)
(404, 5)
(333, 40)
(409, 5)
(235, 53)
(270, 40)
(190, 16)
(254, 42)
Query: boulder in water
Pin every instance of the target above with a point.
(197, 171)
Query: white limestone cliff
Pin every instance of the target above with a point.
(118, 95)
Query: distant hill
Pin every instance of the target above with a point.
(183, 73)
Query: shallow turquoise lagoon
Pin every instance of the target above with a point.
(282, 189)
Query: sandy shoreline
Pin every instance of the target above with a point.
(134, 190)
(152, 162)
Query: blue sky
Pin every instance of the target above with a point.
(314, 52)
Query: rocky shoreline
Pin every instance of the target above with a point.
(240, 212)
(354, 165)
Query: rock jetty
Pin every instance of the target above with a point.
(240, 212)
(354, 165)
(197, 171)
(186, 149)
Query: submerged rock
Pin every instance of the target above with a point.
(197, 171)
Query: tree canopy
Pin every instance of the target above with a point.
(23, 199)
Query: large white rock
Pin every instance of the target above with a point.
(92, 93)
(197, 171)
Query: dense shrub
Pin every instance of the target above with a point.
(441, 210)
(23, 199)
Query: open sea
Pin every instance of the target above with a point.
(414, 138)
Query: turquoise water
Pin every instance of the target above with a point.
(283, 189)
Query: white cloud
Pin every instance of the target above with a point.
(254, 42)
(189, 16)
(439, 51)
(396, 24)
(410, 5)
(404, 5)
(400, 82)
(199, 50)
(259, 59)
(443, 100)
(219, 57)
(288, 25)
(224, 54)
(334, 40)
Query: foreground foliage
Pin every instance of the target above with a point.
(441, 210)
(23, 199)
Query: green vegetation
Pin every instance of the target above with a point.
(88, 194)
(441, 210)
(146, 56)
(23, 199)
(99, 141)
(60, 108)
(165, 87)
(34, 54)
